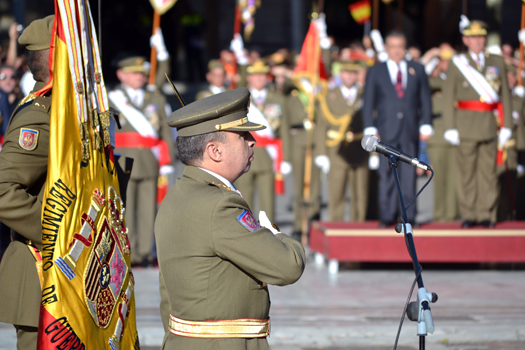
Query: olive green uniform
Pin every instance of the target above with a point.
(443, 160)
(141, 201)
(348, 160)
(476, 153)
(507, 172)
(212, 266)
(294, 137)
(22, 176)
(261, 174)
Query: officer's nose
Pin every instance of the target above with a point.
(250, 139)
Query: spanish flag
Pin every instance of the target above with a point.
(87, 285)
(310, 63)
(360, 11)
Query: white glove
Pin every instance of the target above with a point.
(166, 169)
(320, 23)
(323, 163)
(521, 35)
(431, 65)
(382, 56)
(373, 162)
(377, 39)
(237, 47)
(463, 23)
(519, 90)
(266, 223)
(452, 136)
(157, 41)
(504, 136)
(286, 168)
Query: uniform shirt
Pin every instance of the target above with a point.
(349, 93)
(217, 89)
(480, 58)
(136, 96)
(259, 96)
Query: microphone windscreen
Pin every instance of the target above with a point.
(369, 143)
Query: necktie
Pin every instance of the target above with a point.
(478, 62)
(399, 83)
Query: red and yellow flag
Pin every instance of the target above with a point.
(310, 64)
(360, 11)
(87, 292)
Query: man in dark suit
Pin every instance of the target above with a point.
(399, 92)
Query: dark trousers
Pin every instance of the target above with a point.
(389, 207)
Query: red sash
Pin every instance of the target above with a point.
(263, 141)
(478, 106)
(136, 140)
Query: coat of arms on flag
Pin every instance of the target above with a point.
(88, 286)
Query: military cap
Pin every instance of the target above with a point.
(446, 54)
(258, 67)
(221, 112)
(215, 64)
(37, 35)
(475, 28)
(134, 64)
(349, 65)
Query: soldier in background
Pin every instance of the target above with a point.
(340, 130)
(271, 106)
(147, 139)
(470, 123)
(441, 153)
(216, 77)
(507, 170)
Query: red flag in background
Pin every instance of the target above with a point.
(310, 61)
(360, 11)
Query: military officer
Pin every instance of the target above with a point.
(215, 259)
(340, 129)
(23, 171)
(294, 128)
(262, 172)
(147, 139)
(441, 153)
(476, 85)
(216, 77)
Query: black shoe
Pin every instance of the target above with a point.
(145, 263)
(468, 224)
(487, 223)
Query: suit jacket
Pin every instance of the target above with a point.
(213, 267)
(345, 152)
(145, 164)
(397, 117)
(22, 177)
(473, 125)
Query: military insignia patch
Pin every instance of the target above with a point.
(28, 139)
(247, 220)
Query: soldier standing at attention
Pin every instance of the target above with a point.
(215, 260)
(23, 171)
(147, 139)
(340, 130)
(216, 76)
(270, 106)
(476, 86)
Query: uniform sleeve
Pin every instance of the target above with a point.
(449, 92)
(273, 259)
(165, 129)
(22, 175)
(163, 68)
(506, 98)
(285, 129)
(425, 98)
(369, 99)
(320, 131)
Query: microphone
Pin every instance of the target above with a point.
(370, 143)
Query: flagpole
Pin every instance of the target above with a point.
(153, 56)
(399, 15)
(375, 15)
(236, 30)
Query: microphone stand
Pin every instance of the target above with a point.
(417, 311)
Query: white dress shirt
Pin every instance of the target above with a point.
(480, 57)
(393, 69)
(217, 89)
(349, 94)
(259, 96)
(136, 96)
(223, 180)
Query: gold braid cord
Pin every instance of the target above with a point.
(84, 139)
(343, 122)
(104, 123)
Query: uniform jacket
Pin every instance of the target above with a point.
(213, 267)
(22, 178)
(145, 164)
(473, 125)
(345, 152)
(397, 117)
(436, 84)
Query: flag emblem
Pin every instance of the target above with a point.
(247, 220)
(28, 139)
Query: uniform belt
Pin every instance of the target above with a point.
(238, 328)
(477, 106)
(18, 237)
(297, 127)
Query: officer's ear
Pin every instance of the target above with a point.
(214, 151)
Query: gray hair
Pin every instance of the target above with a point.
(191, 148)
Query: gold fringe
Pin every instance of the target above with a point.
(104, 123)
